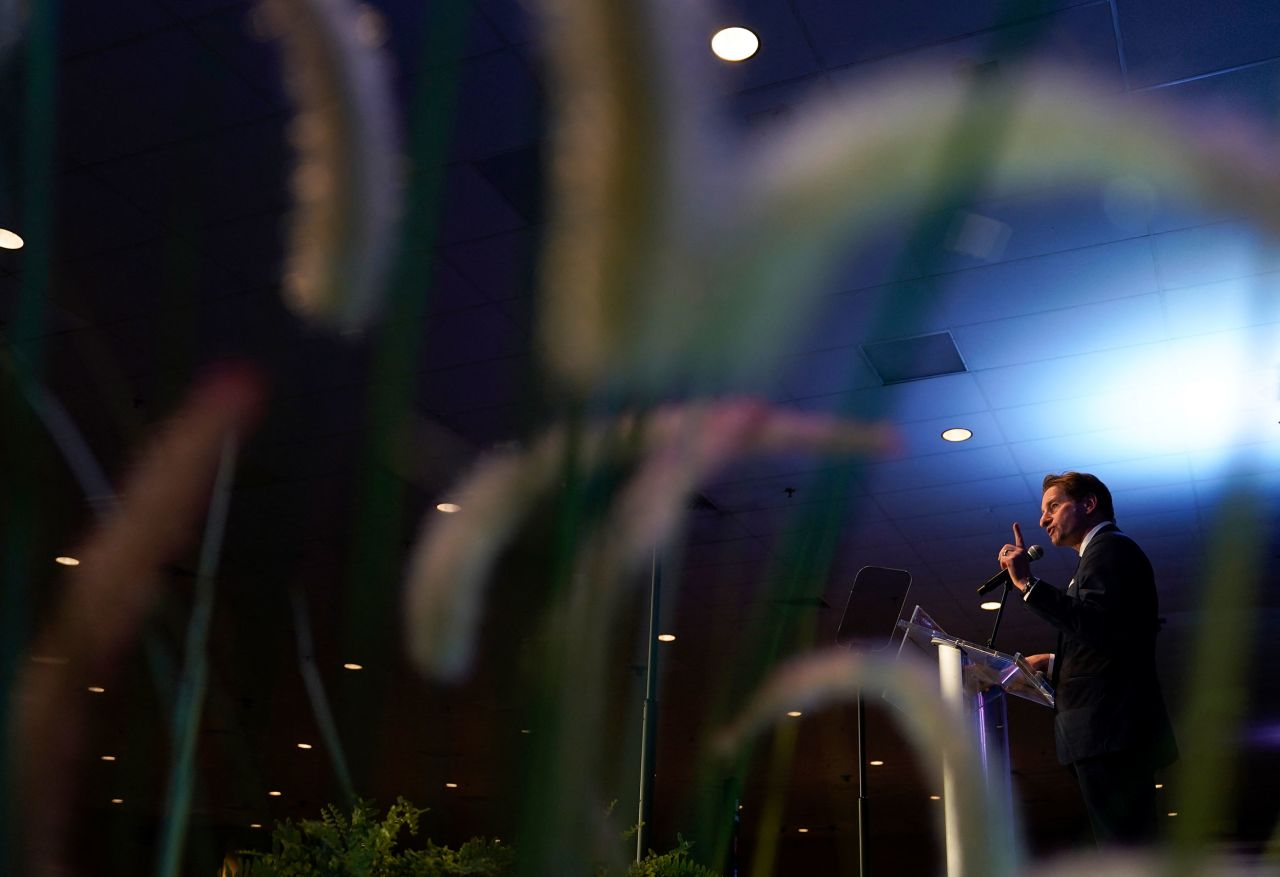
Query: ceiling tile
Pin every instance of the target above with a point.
(1227, 304)
(846, 34)
(784, 53)
(955, 497)
(238, 172)
(1083, 329)
(920, 437)
(1133, 370)
(499, 79)
(500, 266)
(97, 26)
(1171, 39)
(1050, 283)
(469, 336)
(957, 466)
(1207, 253)
(474, 209)
(92, 217)
(827, 373)
(1085, 451)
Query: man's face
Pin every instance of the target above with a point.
(1066, 520)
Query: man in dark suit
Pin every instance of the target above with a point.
(1110, 723)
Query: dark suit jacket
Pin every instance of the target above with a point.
(1108, 698)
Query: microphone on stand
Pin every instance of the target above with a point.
(1034, 552)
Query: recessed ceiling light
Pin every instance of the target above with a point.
(935, 797)
(957, 434)
(255, 825)
(66, 560)
(795, 714)
(304, 745)
(734, 44)
(1159, 785)
(803, 830)
(275, 794)
(97, 689)
(351, 666)
(990, 605)
(9, 240)
(1173, 812)
(448, 508)
(666, 637)
(525, 731)
(876, 763)
(108, 758)
(117, 800)
(451, 785)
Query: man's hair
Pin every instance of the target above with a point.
(1078, 485)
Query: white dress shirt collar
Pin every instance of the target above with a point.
(1088, 536)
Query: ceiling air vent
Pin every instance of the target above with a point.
(913, 359)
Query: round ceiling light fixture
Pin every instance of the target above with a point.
(9, 240)
(957, 434)
(734, 44)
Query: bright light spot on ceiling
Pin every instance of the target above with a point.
(275, 794)
(9, 240)
(795, 714)
(351, 666)
(666, 637)
(66, 560)
(448, 508)
(304, 746)
(876, 763)
(734, 44)
(97, 689)
(991, 605)
(957, 434)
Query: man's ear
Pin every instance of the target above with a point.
(1090, 503)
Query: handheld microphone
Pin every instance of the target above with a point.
(1034, 552)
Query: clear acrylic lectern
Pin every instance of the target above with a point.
(976, 679)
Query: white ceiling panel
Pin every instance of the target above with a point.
(1084, 450)
(974, 464)
(827, 373)
(1069, 377)
(1122, 323)
(876, 313)
(927, 399)
(1208, 253)
(1145, 472)
(1227, 304)
(955, 497)
(924, 437)
(1050, 283)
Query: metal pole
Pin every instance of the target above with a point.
(864, 815)
(995, 628)
(649, 719)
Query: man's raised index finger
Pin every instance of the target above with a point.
(1017, 535)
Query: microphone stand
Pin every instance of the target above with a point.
(1008, 586)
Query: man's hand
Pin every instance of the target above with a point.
(1039, 663)
(1013, 557)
